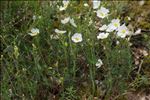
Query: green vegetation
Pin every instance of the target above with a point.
(53, 66)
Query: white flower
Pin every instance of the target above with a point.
(129, 18)
(65, 5)
(34, 32)
(102, 28)
(117, 42)
(115, 23)
(122, 31)
(99, 63)
(66, 20)
(96, 4)
(59, 31)
(141, 3)
(34, 17)
(77, 37)
(102, 35)
(109, 28)
(102, 12)
(86, 5)
(72, 22)
(40, 17)
(138, 31)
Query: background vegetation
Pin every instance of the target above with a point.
(43, 68)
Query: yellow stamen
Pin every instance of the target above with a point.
(77, 39)
(123, 31)
(101, 14)
(115, 24)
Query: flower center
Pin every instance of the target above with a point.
(102, 14)
(123, 31)
(34, 33)
(116, 25)
(77, 39)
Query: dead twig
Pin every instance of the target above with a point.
(140, 66)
